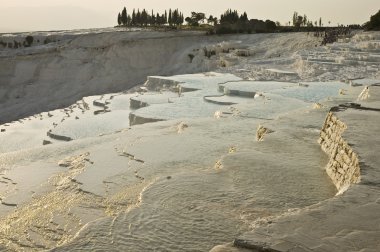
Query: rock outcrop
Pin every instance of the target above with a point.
(343, 166)
(261, 132)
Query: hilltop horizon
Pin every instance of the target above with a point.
(42, 15)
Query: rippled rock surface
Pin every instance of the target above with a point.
(176, 164)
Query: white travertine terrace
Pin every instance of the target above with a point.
(94, 175)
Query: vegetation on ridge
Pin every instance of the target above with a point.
(144, 19)
(229, 22)
(373, 23)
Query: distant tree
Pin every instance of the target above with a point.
(195, 18)
(210, 20)
(189, 21)
(200, 17)
(374, 22)
(153, 19)
(144, 18)
(355, 26)
(138, 18)
(29, 40)
(158, 19)
(232, 22)
(304, 21)
(244, 17)
(133, 18)
(295, 18)
(175, 17)
(230, 16)
(320, 22)
(124, 16)
(170, 17)
(270, 26)
(182, 18)
(297, 21)
(119, 19)
(214, 21)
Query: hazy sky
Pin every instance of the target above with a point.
(31, 15)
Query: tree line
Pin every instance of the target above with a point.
(302, 23)
(230, 21)
(233, 22)
(373, 23)
(143, 18)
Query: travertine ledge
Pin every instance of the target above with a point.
(343, 167)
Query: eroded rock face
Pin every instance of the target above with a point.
(343, 166)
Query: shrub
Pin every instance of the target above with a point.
(29, 40)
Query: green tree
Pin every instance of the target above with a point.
(138, 18)
(124, 16)
(158, 19)
(270, 26)
(195, 18)
(304, 20)
(176, 17)
(133, 18)
(295, 18)
(374, 22)
(29, 40)
(181, 18)
(230, 16)
(153, 19)
(299, 22)
(170, 17)
(244, 17)
(210, 20)
(144, 18)
(119, 19)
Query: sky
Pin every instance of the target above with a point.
(44, 15)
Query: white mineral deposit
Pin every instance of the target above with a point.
(141, 140)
